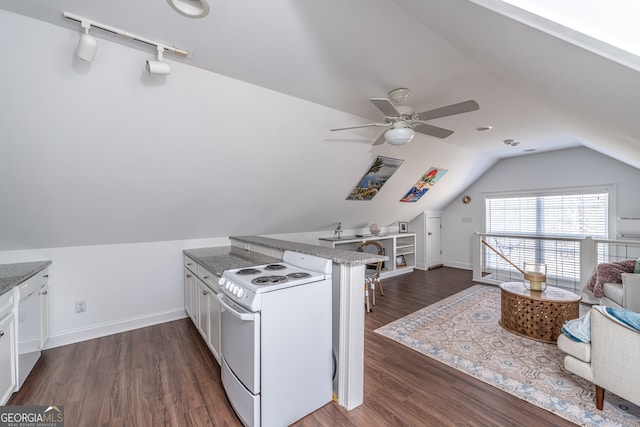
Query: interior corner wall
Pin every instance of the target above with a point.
(575, 167)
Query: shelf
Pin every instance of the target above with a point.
(394, 244)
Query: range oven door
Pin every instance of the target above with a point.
(240, 332)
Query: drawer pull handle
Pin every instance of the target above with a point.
(188, 275)
(45, 276)
(204, 292)
(44, 292)
(1, 334)
(206, 277)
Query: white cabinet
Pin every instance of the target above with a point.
(190, 294)
(8, 378)
(44, 309)
(201, 303)
(400, 248)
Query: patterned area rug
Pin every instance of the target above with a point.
(462, 331)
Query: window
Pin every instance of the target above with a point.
(573, 214)
(554, 220)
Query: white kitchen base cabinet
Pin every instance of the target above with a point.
(400, 248)
(8, 351)
(201, 303)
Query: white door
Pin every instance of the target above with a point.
(434, 255)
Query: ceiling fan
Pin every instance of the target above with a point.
(404, 121)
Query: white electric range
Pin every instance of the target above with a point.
(276, 348)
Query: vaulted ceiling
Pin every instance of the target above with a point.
(545, 91)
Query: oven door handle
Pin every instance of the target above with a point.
(247, 316)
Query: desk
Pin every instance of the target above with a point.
(537, 315)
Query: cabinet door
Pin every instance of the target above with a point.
(214, 326)
(190, 295)
(203, 310)
(7, 358)
(44, 315)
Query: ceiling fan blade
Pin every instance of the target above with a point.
(449, 110)
(380, 140)
(384, 105)
(432, 130)
(361, 126)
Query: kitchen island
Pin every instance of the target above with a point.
(348, 269)
(348, 307)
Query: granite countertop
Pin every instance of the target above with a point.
(339, 256)
(364, 237)
(12, 275)
(218, 259)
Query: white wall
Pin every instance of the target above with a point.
(576, 167)
(125, 286)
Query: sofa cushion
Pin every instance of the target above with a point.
(614, 292)
(579, 350)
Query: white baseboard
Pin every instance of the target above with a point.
(110, 328)
(460, 265)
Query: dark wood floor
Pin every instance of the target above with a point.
(165, 375)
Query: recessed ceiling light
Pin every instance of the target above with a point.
(190, 8)
(511, 142)
(483, 128)
(529, 150)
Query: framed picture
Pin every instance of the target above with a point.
(423, 185)
(403, 227)
(378, 173)
(401, 261)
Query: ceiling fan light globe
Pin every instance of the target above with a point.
(399, 136)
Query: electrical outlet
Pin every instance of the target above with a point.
(81, 306)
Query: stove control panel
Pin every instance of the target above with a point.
(232, 287)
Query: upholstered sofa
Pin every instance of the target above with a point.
(610, 360)
(623, 295)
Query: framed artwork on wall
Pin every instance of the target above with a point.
(403, 227)
(379, 172)
(423, 185)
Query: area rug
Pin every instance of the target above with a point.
(462, 331)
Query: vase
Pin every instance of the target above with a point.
(374, 229)
(535, 276)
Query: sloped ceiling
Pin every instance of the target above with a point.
(236, 140)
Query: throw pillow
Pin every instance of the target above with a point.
(636, 269)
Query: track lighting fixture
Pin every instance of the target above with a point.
(159, 66)
(88, 45)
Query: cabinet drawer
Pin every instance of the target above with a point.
(44, 274)
(191, 264)
(209, 278)
(6, 303)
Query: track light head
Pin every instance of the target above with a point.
(87, 45)
(158, 66)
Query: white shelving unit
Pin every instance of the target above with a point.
(398, 247)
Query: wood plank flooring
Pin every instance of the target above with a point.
(164, 375)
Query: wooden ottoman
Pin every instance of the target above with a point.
(537, 315)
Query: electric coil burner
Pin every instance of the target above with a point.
(266, 280)
(276, 364)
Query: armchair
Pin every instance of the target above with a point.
(610, 360)
(623, 295)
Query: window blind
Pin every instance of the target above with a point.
(576, 215)
(570, 214)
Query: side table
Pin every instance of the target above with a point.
(534, 314)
